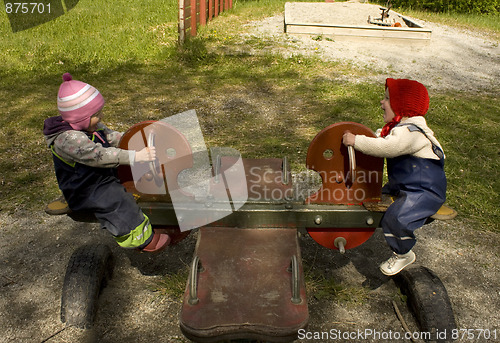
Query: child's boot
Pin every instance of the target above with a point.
(159, 242)
(397, 263)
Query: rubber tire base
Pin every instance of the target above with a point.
(428, 300)
(87, 273)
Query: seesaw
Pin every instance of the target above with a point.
(246, 279)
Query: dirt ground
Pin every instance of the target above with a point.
(35, 247)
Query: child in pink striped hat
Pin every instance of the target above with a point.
(85, 155)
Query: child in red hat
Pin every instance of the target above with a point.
(85, 155)
(415, 167)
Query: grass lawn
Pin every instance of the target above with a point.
(264, 105)
(487, 24)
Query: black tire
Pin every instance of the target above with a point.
(429, 302)
(89, 269)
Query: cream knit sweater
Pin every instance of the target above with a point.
(400, 141)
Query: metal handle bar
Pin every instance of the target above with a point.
(193, 282)
(296, 299)
(351, 176)
(285, 167)
(217, 167)
(153, 167)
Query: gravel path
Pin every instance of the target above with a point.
(34, 247)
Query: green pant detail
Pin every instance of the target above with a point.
(136, 237)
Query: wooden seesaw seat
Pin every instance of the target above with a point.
(245, 286)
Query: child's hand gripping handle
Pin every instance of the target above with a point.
(145, 155)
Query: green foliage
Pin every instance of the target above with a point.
(487, 24)
(172, 284)
(93, 36)
(456, 6)
(472, 162)
(194, 52)
(326, 288)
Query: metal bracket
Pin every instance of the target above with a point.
(340, 243)
(274, 215)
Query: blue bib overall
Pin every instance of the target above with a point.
(98, 190)
(419, 185)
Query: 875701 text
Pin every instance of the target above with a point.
(27, 7)
(473, 334)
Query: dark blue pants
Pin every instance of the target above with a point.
(420, 188)
(116, 210)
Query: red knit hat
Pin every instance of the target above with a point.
(77, 101)
(408, 98)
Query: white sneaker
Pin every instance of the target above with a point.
(397, 263)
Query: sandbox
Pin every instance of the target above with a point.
(352, 20)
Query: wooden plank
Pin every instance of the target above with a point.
(210, 9)
(203, 12)
(198, 12)
(193, 18)
(366, 32)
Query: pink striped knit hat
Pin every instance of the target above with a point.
(77, 101)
